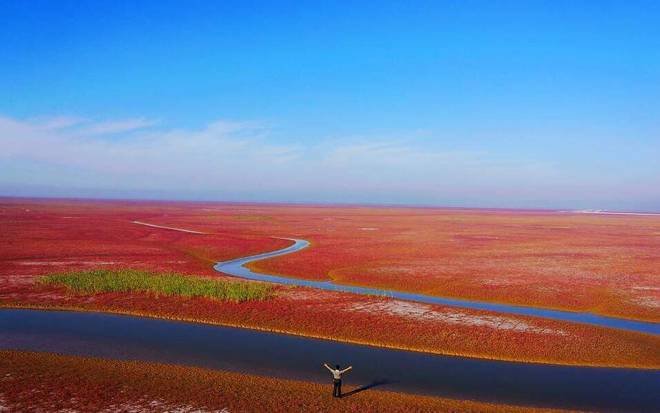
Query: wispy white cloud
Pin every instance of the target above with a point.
(86, 127)
(222, 153)
(241, 160)
(117, 126)
(59, 122)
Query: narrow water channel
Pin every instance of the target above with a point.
(278, 355)
(237, 268)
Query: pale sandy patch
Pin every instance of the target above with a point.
(549, 289)
(497, 282)
(67, 262)
(48, 296)
(647, 301)
(369, 229)
(307, 294)
(189, 231)
(158, 405)
(424, 312)
(646, 288)
(17, 279)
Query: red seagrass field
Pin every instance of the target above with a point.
(111, 385)
(598, 263)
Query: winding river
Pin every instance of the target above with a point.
(237, 268)
(285, 356)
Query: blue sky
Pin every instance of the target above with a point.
(459, 103)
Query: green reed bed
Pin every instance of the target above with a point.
(128, 280)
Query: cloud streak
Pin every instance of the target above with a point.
(239, 161)
(124, 125)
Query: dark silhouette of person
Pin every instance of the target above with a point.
(336, 378)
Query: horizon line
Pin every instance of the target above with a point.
(585, 211)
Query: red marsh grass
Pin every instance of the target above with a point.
(48, 382)
(601, 264)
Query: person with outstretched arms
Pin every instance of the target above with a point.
(336, 378)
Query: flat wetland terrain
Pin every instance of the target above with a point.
(601, 264)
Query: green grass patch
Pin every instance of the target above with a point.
(128, 280)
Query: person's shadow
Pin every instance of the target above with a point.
(375, 383)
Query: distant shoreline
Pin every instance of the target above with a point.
(601, 212)
(46, 199)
